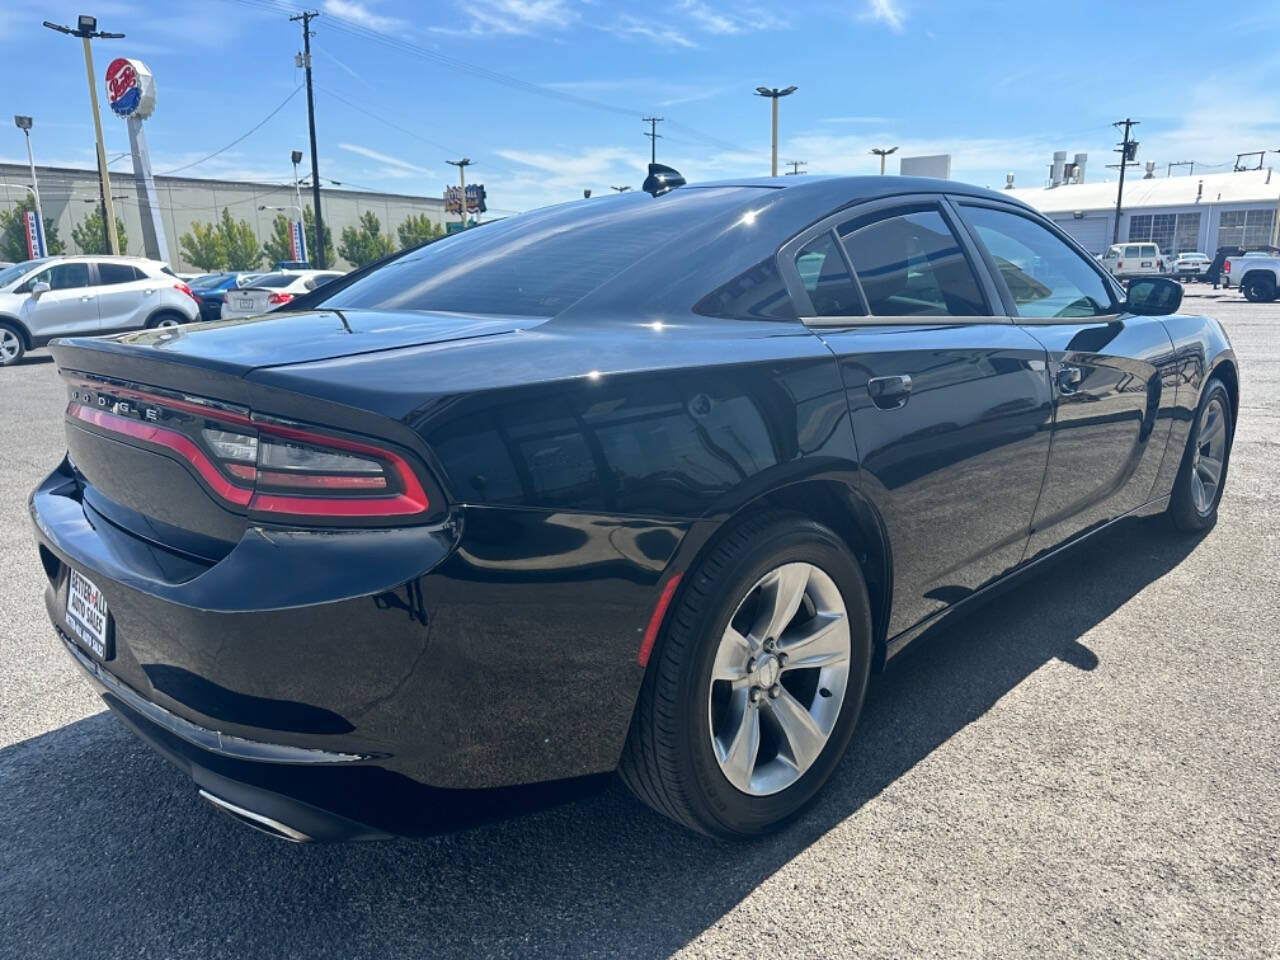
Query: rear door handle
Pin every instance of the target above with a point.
(1068, 379)
(890, 393)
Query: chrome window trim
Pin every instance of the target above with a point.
(800, 296)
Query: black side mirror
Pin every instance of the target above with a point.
(1154, 296)
(662, 179)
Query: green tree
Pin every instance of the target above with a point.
(366, 243)
(417, 229)
(202, 247)
(239, 243)
(277, 247)
(87, 234)
(13, 232)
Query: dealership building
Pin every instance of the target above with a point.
(67, 195)
(1180, 213)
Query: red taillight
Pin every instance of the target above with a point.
(1226, 266)
(279, 298)
(269, 467)
(187, 290)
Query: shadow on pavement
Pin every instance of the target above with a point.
(106, 848)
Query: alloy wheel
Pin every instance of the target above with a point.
(1209, 455)
(779, 679)
(10, 345)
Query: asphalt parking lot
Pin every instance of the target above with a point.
(1090, 765)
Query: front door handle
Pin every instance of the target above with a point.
(890, 393)
(1068, 379)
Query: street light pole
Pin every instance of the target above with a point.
(462, 179)
(24, 124)
(87, 29)
(774, 94)
(883, 152)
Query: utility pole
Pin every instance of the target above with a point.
(24, 124)
(87, 29)
(774, 94)
(795, 166)
(462, 180)
(653, 136)
(1128, 150)
(306, 17)
(883, 152)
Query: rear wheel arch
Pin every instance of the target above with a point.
(165, 313)
(833, 503)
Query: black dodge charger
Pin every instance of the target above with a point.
(648, 483)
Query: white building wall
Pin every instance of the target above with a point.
(68, 195)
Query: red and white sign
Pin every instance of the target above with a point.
(131, 90)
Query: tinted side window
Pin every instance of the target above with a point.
(757, 293)
(826, 279)
(109, 273)
(911, 264)
(1045, 277)
(67, 276)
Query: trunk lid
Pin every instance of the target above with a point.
(150, 414)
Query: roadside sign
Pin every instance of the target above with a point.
(298, 241)
(34, 231)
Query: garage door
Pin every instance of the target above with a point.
(1091, 232)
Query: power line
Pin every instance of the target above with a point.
(252, 130)
(653, 136)
(462, 66)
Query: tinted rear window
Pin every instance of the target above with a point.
(275, 280)
(539, 263)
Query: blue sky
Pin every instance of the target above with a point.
(546, 96)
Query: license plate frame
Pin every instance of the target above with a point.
(87, 617)
(244, 303)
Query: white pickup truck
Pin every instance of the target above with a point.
(1257, 275)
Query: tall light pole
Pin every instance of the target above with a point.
(462, 178)
(883, 152)
(87, 29)
(296, 157)
(774, 94)
(24, 124)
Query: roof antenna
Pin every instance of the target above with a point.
(662, 179)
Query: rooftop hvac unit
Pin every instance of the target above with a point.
(1008, 181)
(1151, 170)
(1081, 160)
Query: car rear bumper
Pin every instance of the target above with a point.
(360, 683)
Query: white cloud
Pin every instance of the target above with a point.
(514, 17)
(854, 120)
(385, 158)
(888, 12)
(358, 13)
(628, 26)
(742, 20)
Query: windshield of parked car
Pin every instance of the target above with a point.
(538, 263)
(209, 282)
(11, 274)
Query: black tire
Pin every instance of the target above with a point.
(165, 318)
(669, 762)
(1183, 513)
(13, 345)
(1259, 289)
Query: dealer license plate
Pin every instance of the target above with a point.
(87, 614)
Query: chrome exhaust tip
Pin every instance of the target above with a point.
(265, 824)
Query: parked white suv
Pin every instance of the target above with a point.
(61, 296)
